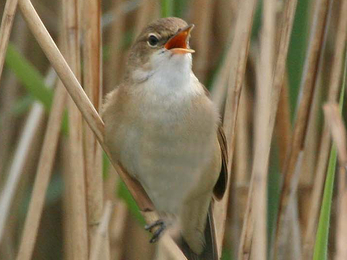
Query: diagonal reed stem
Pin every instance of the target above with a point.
(22, 152)
(63, 70)
(43, 175)
(79, 96)
(87, 109)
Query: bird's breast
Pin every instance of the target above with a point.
(165, 137)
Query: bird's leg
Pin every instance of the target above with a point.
(158, 232)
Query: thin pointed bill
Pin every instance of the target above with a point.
(178, 42)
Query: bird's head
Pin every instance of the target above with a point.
(163, 43)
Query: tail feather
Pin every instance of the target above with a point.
(210, 248)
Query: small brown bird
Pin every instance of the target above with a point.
(163, 129)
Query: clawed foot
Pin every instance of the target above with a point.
(161, 227)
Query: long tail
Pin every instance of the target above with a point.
(210, 248)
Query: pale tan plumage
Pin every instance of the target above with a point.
(162, 128)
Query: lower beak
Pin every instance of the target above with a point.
(178, 42)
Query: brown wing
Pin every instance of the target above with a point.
(221, 185)
(210, 250)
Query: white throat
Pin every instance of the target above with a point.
(171, 76)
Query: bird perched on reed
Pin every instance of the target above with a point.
(165, 132)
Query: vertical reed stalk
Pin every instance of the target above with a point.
(201, 36)
(340, 141)
(118, 230)
(5, 29)
(331, 113)
(77, 178)
(92, 75)
(279, 72)
(114, 68)
(308, 84)
(341, 230)
(241, 169)
(101, 234)
(167, 8)
(283, 124)
(263, 142)
(239, 54)
(144, 16)
(325, 142)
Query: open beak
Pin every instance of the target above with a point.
(178, 42)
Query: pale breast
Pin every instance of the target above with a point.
(165, 133)
(166, 145)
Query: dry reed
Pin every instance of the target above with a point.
(238, 53)
(76, 178)
(202, 17)
(338, 133)
(30, 129)
(114, 65)
(261, 159)
(92, 78)
(101, 234)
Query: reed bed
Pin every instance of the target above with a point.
(271, 67)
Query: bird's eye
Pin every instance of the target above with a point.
(152, 40)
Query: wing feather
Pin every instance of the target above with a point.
(220, 187)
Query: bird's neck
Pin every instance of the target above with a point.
(171, 77)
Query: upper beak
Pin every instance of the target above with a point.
(178, 42)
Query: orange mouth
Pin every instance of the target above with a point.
(178, 42)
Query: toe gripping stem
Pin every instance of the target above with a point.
(157, 233)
